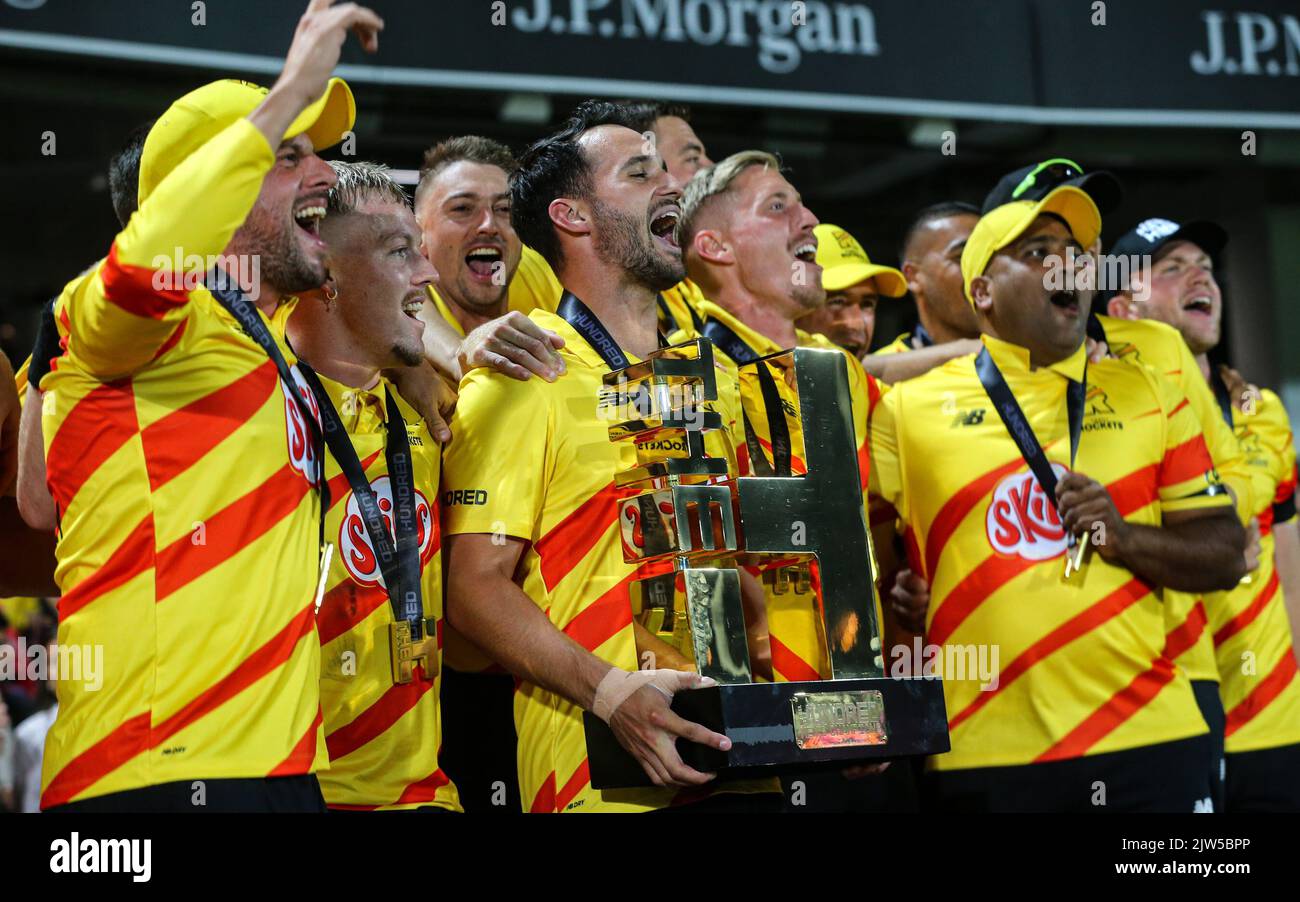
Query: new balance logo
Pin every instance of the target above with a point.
(968, 418)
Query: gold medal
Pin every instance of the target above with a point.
(407, 652)
(1074, 556)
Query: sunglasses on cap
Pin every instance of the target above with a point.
(1058, 168)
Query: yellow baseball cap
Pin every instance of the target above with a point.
(845, 263)
(205, 112)
(1003, 225)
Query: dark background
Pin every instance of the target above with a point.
(1015, 80)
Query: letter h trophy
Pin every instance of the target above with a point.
(684, 513)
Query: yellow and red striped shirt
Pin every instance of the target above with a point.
(1080, 666)
(1249, 623)
(534, 460)
(189, 521)
(797, 640)
(1146, 342)
(383, 737)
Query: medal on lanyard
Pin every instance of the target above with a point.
(412, 639)
(1023, 434)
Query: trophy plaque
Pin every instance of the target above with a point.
(685, 509)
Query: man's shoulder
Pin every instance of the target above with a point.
(1156, 343)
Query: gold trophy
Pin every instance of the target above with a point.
(684, 513)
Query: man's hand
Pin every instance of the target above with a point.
(909, 599)
(514, 345)
(318, 41)
(645, 725)
(1083, 504)
(1253, 547)
(311, 59)
(430, 395)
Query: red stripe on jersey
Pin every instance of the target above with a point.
(1186, 461)
(131, 288)
(569, 540)
(375, 720)
(274, 652)
(231, 529)
(1080, 624)
(176, 442)
(339, 488)
(1187, 633)
(603, 618)
(299, 760)
(574, 785)
(1262, 695)
(790, 665)
(96, 427)
(1180, 406)
(1135, 491)
(128, 739)
(344, 606)
(974, 589)
(1117, 709)
(544, 801)
(1246, 617)
(172, 340)
(864, 465)
(423, 790)
(1129, 493)
(131, 558)
(956, 508)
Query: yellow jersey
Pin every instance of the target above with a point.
(534, 286)
(1150, 343)
(1080, 667)
(383, 737)
(185, 477)
(533, 460)
(1249, 623)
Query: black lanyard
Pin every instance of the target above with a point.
(739, 351)
(577, 314)
(1224, 398)
(228, 295)
(1021, 432)
(400, 565)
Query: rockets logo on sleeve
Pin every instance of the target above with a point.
(1023, 521)
(355, 548)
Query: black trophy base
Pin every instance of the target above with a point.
(779, 728)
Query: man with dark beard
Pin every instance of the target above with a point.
(536, 576)
(184, 457)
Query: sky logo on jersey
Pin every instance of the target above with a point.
(1023, 521)
(302, 449)
(354, 540)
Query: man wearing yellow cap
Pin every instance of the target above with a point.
(1047, 571)
(185, 457)
(854, 286)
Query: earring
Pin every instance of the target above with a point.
(330, 297)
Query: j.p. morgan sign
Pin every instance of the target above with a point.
(781, 31)
(1155, 62)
